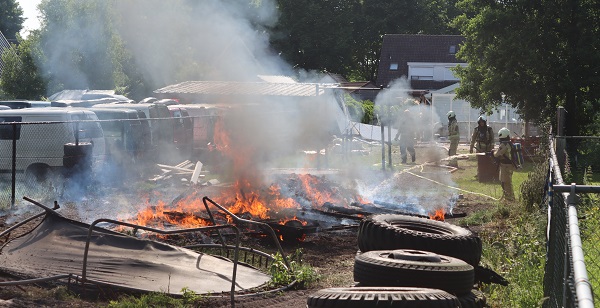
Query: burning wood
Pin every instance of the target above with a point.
(292, 230)
(182, 170)
(438, 215)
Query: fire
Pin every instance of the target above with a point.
(249, 194)
(362, 200)
(294, 220)
(243, 197)
(309, 184)
(438, 215)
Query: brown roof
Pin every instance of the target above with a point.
(404, 48)
(232, 88)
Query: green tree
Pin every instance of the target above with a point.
(21, 76)
(539, 54)
(344, 36)
(12, 18)
(315, 35)
(379, 17)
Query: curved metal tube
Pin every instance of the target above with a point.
(237, 220)
(166, 232)
(36, 280)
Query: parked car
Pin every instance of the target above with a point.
(19, 104)
(83, 103)
(160, 124)
(126, 138)
(61, 140)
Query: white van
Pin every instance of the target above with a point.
(53, 143)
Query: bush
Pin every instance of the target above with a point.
(304, 274)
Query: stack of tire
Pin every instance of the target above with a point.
(408, 261)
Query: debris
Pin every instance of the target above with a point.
(196, 173)
(181, 170)
(212, 182)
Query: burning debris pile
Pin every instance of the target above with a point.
(248, 141)
(294, 205)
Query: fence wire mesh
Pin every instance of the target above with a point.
(42, 160)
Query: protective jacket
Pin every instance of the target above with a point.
(482, 139)
(504, 153)
(453, 133)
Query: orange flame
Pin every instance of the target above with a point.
(438, 215)
(310, 186)
(248, 194)
(295, 219)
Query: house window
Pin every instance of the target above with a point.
(452, 49)
(393, 66)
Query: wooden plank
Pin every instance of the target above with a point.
(196, 173)
(175, 168)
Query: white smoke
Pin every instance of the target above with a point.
(181, 40)
(215, 40)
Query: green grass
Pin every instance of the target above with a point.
(513, 237)
(188, 299)
(304, 274)
(590, 233)
(467, 180)
(589, 227)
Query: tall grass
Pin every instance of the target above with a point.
(517, 253)
(513, 236)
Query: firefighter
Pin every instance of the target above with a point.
(504, 158)
(406, 132)
(454, 136)
(483, 137)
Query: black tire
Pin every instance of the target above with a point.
(413, 268)
(475, 299)
(365, 297)
(389, 232)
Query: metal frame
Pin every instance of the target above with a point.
(236, 248)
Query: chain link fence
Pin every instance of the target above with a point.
(61, 159)
(572, 269)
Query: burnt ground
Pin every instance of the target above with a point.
(330, 253)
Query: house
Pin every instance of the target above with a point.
(425, 60)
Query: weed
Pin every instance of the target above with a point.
(156, 299)
(304, 274)
(518, 254)
(533, 188)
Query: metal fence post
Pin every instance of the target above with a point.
(561, 115)
(14, 166)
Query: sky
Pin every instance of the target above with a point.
(30, 13)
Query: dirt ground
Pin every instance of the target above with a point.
(330, 253)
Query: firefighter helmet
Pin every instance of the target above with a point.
(481, 118)
(451, 114)
(503, 133)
